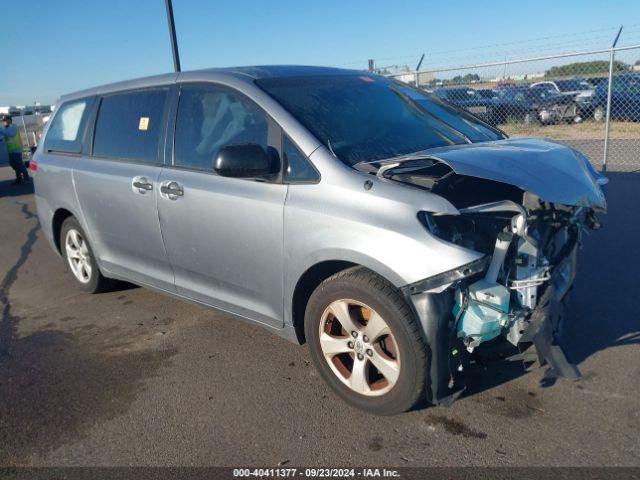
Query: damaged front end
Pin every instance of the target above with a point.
(532, 268)
(516, 291)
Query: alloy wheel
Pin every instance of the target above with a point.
(359, 347)
(599, 114)
(78, 255)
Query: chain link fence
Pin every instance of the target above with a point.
(30, 128)
(564, 97)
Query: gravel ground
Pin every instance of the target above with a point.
(586, 130)
(132, 377)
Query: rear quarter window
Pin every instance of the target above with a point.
(67, 127)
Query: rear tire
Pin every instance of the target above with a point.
(78, 255)
(384, 373)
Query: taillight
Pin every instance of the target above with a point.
(33, 166)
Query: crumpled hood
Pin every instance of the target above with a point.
(552, 171)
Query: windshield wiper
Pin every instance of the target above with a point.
(331, 148)
(385, 168)
(445, 126)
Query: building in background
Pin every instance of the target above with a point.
(409, 76)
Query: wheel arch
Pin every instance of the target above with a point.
(306, 284)
(60, 215)
(309, 281)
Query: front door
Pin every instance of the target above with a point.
(223, 236)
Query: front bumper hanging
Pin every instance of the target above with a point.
(538, 337)
(541, 334)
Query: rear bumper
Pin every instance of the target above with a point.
(45, 217)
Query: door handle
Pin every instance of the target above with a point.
(141, 185)
(172, 190)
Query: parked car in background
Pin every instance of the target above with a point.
(538, 104)
(43, 109)
(625, 99)
(389, 230)
(487, 92)
(484, 103)
(595, 81)
(581, 89)
(506, 84)
(573, 86)
(468, 98)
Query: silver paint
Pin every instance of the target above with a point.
(242, 246)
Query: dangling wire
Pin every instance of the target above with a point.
(331, 148)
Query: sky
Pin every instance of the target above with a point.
(53, 47)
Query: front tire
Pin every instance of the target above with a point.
(530, 118)
(366, 342)
(80, 259)
(599, 114)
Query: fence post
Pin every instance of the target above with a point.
(608, 115)
(24, 127)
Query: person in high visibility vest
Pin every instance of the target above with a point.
(14, 146)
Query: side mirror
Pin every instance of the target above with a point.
(244, 161)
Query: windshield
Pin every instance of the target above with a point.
(363, 118)
(487, 93)
(457, 94)
(630, 84)
(569, 85)
(528, 94)
(541, 93)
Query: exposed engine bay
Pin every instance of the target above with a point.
(530, 245)
(525, 248)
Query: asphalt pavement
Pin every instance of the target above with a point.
(132, 377)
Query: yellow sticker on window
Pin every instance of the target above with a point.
(143, 124)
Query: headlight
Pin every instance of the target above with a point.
(547, 113)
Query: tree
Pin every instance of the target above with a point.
(596, 67)
(468, 78)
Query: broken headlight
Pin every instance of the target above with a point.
(475, 231)
(450, 276)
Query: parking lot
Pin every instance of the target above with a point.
(132, 377)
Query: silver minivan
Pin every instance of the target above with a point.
(396, 234)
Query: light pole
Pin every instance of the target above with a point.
(172, 35)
